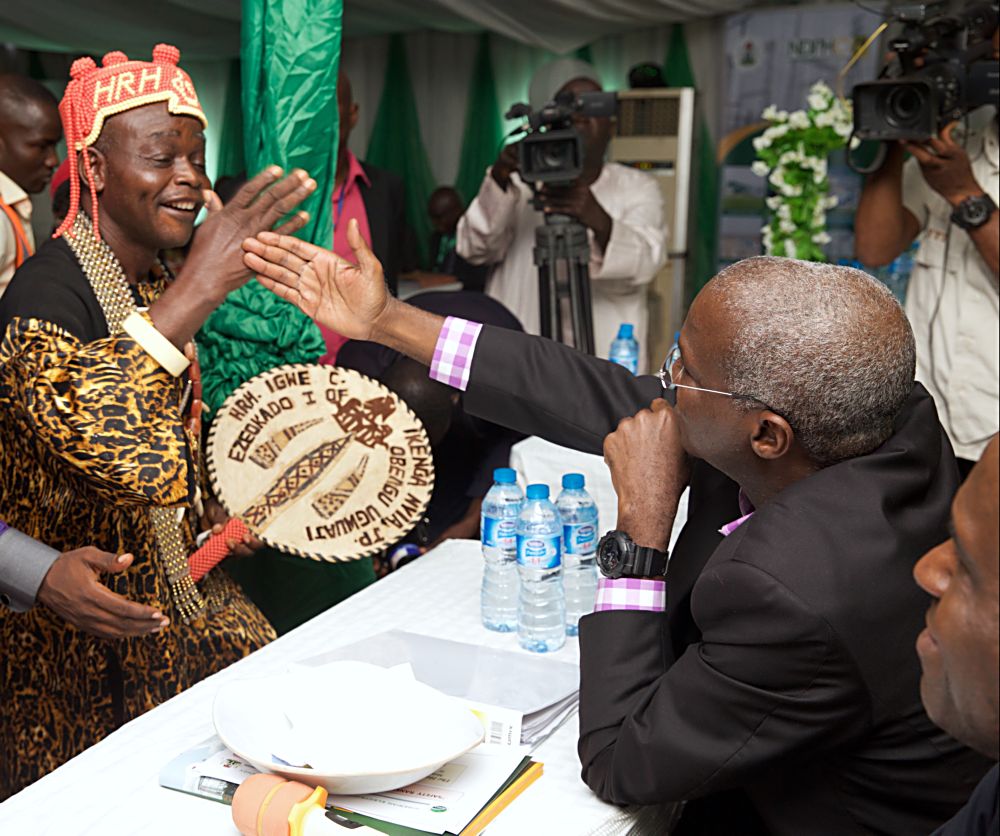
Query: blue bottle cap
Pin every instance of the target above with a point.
(505, 475)
(573, 481)
(538, 491)
(625, 331)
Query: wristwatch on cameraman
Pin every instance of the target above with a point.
(973, 212)
(619, 557)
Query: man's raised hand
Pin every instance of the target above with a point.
(346, 298)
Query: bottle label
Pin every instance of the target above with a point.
(499, 533)
(539, 552)
(580, 538)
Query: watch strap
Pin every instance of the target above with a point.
(648, 563)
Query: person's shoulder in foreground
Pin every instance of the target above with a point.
(960, 646)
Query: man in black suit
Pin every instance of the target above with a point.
(779, 692)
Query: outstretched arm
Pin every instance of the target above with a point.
(530, 384)
(351, 300)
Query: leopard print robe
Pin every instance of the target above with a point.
(90, 437)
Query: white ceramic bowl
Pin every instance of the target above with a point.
(360, 728)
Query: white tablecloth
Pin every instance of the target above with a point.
(112, 787)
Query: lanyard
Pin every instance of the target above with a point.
(340, 205)
(22, 246)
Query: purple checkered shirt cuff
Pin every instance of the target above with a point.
(453, 353)
(631, 594)
(3, 526)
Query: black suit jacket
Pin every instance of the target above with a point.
(781, 689)
(385, 205)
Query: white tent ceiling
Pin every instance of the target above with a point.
(211, 28)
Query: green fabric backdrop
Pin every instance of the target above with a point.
(290, 55)
(396, 144)
(483, 130)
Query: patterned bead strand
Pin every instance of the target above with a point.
(111, 287)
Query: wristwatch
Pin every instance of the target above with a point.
(619, 557)
(973, 212)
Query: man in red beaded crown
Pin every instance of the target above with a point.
(99, 416)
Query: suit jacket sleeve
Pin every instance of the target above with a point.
(767, 683)
(541, 387)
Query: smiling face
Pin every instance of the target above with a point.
(149, 170)
(960, 648)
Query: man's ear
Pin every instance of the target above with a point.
(772, 435)
(98, 167)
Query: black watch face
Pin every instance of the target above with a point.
(612, 556)
(976, 214)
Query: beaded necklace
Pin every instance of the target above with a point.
(110, 285)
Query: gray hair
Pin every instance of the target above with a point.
(829, 348)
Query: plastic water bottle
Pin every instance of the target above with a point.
(498, 524)
(541, 608)
(578, 513)
(625, 349)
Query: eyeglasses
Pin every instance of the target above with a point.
(673, 366)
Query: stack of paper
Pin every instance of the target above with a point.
(521, 699)
(459, 799)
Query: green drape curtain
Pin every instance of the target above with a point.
(290, 55)
(483, 129)
(232, 160)
(704, 220)
(396, 144)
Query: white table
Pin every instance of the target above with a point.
(112, 787)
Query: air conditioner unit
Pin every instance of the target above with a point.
(655, 133)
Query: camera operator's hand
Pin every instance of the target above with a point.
(507, 163)
(578, 201)
(946, 166)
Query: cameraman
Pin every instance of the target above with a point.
(947, 194)
(621, 207)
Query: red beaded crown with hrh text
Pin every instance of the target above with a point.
(96, 93)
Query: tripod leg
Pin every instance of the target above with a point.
(576, 307)
(586, 307)
(545, 308)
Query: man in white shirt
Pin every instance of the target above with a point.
(29, 132)
(621, 207)
(947, 193)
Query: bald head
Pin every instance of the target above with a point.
(29, 132)
(829, 348)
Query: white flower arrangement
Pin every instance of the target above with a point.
(792, 154)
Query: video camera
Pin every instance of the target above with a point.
(946, 69)
(552, 152)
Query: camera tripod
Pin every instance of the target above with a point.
(562, 242)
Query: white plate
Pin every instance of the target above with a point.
(361, 728)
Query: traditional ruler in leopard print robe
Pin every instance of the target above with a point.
(91, 437)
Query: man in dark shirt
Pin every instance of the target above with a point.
(960, 648)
